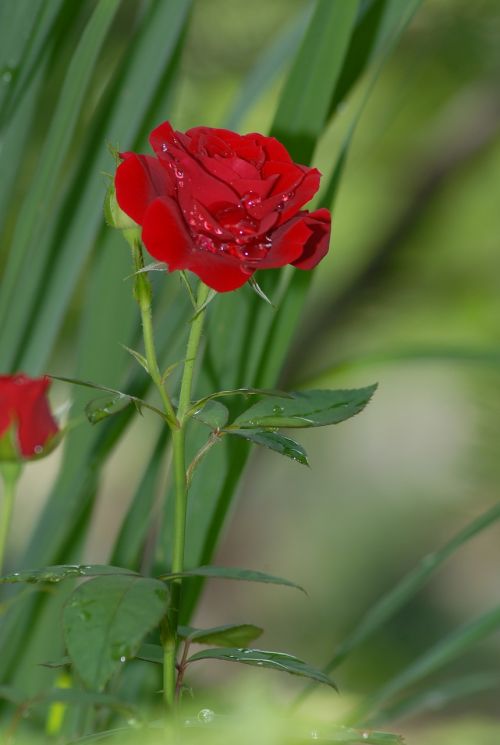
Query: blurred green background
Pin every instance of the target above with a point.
(409, 297)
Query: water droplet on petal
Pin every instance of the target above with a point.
(38, 449)
(206, 716)
(164, 147)
(250, 200)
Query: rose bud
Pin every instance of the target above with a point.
(222, 204)
(27, 427)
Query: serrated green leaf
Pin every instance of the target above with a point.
(105, 620)
(262, 658)
(240, 392)
(222, 636)
(214, 414)
(106, 406)
(246, 575)
(274, 441)
(305, 409)
(56, 574)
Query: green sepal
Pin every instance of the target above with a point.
(116, 218)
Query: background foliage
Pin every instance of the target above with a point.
(408, 296)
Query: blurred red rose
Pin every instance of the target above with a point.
(222, 204)
(27, 427)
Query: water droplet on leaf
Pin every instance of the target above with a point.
(206, 716)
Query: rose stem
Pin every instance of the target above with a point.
(10, 473)
(181, 491)
(143, 295)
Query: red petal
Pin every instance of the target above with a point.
(221, 273)
(139, 180)
(36, 424)
(301, 194)
(316, 247)
(165, 234)
(288, 244)
(274, 149)
(7, 399)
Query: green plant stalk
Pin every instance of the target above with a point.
(181, 493)
(143, 295)
(10, 473)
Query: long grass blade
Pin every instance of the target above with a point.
(442, 653)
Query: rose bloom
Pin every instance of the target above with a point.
(222, 204)
(27, 428)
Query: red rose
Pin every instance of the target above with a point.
(222, 204)
(26, 424)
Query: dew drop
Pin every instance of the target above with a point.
(164, 147)
(123, 658)
(314, 734)
(278, 409)
(6, 76)
(250, 200)
(38, 449)
(206, 716)
(365, 735)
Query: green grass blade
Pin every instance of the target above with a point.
(136, 92)
(408, 587)
(438, 697)
(268, 67)
(303, 108)
(442, 653)
(26, 260)
(129, 547)
(34, 23)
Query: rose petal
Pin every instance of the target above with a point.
(301, 194)
(165, 234)
(316, 247)
(36, 424)
(221, 273)
(274, 149)
(139, 180)
(288, 243)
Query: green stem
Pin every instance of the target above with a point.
(143, 295)
(10, 473)
(181, 492)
